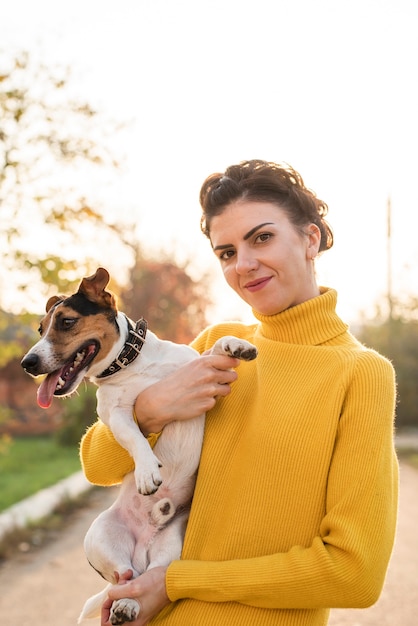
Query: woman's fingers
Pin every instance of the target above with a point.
(186, 393)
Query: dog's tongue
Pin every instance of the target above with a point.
(47, 388)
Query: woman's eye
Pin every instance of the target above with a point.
(227, 254)
(262, 237)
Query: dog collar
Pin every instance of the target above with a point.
(131, 349)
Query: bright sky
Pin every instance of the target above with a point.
(330, 87)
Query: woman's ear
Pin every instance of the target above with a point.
(314, 241)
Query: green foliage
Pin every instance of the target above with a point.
(79, 413)
(6, 413)
(17, 332)
(397, 339)
(27, 465)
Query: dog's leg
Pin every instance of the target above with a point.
(165, 548)
(168, 543)
(110, 545)
(147, 466)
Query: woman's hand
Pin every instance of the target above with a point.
(186, 393)
(148, 590)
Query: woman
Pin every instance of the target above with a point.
(295, 505)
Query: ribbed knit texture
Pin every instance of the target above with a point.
(295, 504)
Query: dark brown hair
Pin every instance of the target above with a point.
(264, 181)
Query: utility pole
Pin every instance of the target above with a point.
(389, 259)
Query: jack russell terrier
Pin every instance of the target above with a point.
(84, 335)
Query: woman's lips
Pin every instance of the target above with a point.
(256, 285)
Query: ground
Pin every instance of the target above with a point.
(48, 586)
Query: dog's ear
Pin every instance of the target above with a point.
(93, 288)
(53, 300)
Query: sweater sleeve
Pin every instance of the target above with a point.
(104, 461)
(345, 564)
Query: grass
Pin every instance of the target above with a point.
(28, 465)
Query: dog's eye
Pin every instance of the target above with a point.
(40, 330)
(67, 323)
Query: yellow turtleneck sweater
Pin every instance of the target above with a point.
(295, 504)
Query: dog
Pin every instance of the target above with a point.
(85, 336)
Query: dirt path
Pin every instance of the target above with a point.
(48, 587)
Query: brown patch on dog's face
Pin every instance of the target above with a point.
(87, 316)
(70, 342)
(75, 332)
(68, 331)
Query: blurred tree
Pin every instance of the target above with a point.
(16, 334)
(396, 337)
(55, 153)
(170, 300)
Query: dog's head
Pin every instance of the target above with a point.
(74, 331)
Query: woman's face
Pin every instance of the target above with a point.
(264, 258)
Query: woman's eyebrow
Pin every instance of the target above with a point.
(223, 247)
(254, 230)
(246, 236)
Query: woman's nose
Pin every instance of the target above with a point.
(245, 262)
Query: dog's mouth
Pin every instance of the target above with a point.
(61, 381)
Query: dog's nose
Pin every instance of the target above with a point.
(30, 363)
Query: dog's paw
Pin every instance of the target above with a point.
(238, 348)
(125, 610)
(162, 512)
(148, 479)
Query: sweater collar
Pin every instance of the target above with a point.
(313, 322)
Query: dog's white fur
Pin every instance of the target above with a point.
(145, 526)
